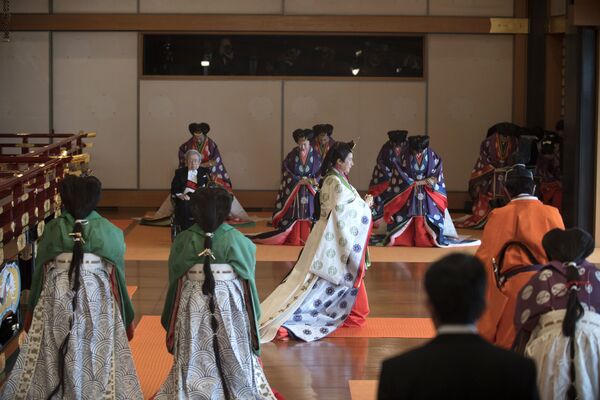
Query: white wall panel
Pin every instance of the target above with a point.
(470, 89)
(212, 6)
(245, 121)
(95, 89)
(356, 7)
(24, 82)
(485, 8)
(365, 110)
(29, 6)
(95, 6)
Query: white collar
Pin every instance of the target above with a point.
(524, 196)
(456, 329)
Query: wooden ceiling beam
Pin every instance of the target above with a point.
(266, 23)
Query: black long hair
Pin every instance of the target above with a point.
(571, 247)
(80, 196)
(210, 207)
(339, 151)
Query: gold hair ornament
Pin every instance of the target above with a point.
(207, 252)
(77, 237)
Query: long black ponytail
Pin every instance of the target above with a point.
(570, 247)
(80, 196)
(210, 207)
(339, 151)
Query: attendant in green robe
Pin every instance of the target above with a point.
(212, 308)
(79, 309)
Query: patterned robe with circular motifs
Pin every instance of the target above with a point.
(540, 309)
(194, 375)
(319, 293)
(98, 363)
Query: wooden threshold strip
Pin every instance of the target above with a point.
(350, 24)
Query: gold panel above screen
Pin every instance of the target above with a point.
(509, 25)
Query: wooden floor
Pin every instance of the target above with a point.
(318, 370)
(302, 371)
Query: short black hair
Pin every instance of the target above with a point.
(339, 151)
(203, 127)
(455, 285)
(519, 180)
(193, 128)
(299, 134)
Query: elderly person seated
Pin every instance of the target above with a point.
(186, 180)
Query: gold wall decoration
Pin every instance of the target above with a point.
(509, 25)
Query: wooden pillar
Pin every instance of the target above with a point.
(536, 60)
(519, 104)
(580, 127)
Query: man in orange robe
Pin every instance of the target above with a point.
(526, 220)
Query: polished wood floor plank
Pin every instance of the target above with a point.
(318, 370)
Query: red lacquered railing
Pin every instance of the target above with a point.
(29, 181)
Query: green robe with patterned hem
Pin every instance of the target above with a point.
(101, 237)
(229, 246)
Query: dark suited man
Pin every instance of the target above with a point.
(458, 363)
(186, 180)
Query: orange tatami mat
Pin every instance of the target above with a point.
(363, 390)
(152, 360)
(131, 290)
(121, 223)
(412, 328)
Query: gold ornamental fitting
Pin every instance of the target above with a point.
(36, 212)
(1, 236)
(21, 242)
(509, 25)
(13, 226)
(25, 219)
(40, 228)
(46, 205)
(90, 134)
(81, 158)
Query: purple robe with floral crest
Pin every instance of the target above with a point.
(407, 200)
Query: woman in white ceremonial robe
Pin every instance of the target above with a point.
(325, 290)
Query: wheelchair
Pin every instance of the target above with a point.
(181, 217)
